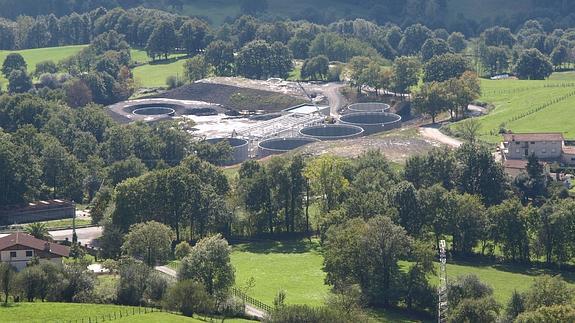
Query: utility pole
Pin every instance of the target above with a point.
(442, 290)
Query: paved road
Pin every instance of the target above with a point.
(85, 235)
(250, 310)
(432, 132)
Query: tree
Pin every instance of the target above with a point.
(515, 306)
(13, 61)
(315, 68)
(547, 291)
(555, 313)
(7, 274)
(559, 56)
(326, 176)
(532, 65)
(495, 59)
(366, 253)
(469, 130)
(19, 81)
(209, 263)
(456, 42)
(443, 67)
(196, 68)
(498, 36)
(403, 197)
(78, 94)
(162, 41)
(32, 282)
(45, 67)
(405, 73)
(434, 47)
(124, 169)
(183, 249)
(431, 99)
(475, 310)
(259, 59)
(467, 222)
(189, 297)
(532, 184)
(133, 281)
(510, 225)
(414, 37)
(150, 241)
(253, 7)
(480, 174)
(194, 36)
(38, 230)
(220, 55)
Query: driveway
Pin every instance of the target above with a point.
(85, 235)
(432, 132)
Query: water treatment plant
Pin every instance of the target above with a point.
(260, 134)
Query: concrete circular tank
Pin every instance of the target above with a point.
(332, 132)
(372, 122)
(276, 146)
(240, 149)
(154, 111)
(369, 107)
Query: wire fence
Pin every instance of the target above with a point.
(110, 316)
(251, 301)
(533, 110)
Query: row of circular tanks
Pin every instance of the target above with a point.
(364, 119)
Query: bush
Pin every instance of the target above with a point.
(304, 313)
(173, 82)
(231, 307)
(156, 288)
(182, 250)
(189, 297)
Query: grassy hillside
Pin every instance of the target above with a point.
(45, 312)
(529, 106)
(155, 74)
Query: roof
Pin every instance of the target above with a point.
(515, 163)
(569, 150)
(549, 136)
(24, 239)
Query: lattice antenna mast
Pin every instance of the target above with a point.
(310, 98)
(442, 290)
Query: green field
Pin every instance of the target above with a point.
(515, 102)
(173, 318)
(155, 74)
(44, 312)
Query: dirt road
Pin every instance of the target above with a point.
(432, 132)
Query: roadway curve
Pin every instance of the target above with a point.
(432, 132)
(336, 100)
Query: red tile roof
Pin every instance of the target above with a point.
(550, 136)
(23, 239)
(515, 163)
(569, 150)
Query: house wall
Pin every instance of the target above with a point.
(568, 159)
(541, 149)
(21, 260)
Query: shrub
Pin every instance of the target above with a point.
(182, 250)
(189, 297)
(173, 82)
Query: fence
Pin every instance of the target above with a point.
(252, 301)
(534, 110)
(110, 316)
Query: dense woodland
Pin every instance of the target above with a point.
(154, 185)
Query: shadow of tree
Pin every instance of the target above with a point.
(283, 246)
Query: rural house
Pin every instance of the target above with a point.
(19, 248)
(547, 147)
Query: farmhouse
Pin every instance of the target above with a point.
(20, 248)
(547, 147)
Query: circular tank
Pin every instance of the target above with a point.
(154, 111)
(276, 146)
(369, 107)
(332, 132)
(372, 122)
(240, 149)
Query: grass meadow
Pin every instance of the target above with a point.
(518, 106)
